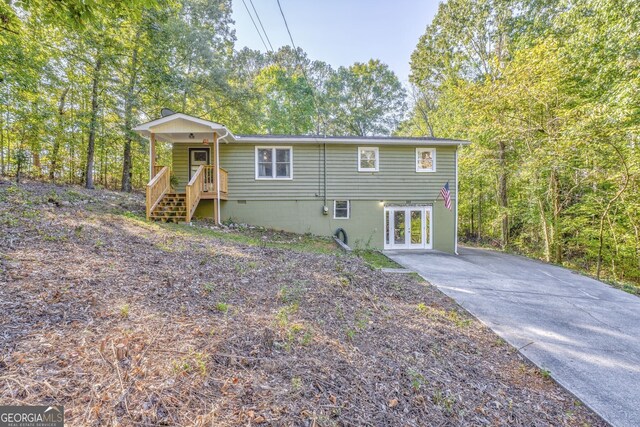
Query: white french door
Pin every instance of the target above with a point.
(408, 227)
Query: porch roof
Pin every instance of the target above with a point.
(179, 127)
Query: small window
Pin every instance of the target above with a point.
(274, 163)
(200, 156)
(341, 209)
(368, 159)
(425, 160)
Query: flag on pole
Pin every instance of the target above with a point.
(446, 195)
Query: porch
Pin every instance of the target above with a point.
(165, 203)
(167, 196)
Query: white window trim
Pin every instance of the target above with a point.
(377, 168)
(433, 156)
(273, 162)
(348, 209)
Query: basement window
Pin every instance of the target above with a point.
(274, 163)
(341, 209)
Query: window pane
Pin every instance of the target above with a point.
(425, 159)
(398, 227)
(341, 209)
(282, 155)
(199, 156)
(387, 226)
(367, 159)
(282, 170)
(265, 170)
(264, 155)
(416, 227)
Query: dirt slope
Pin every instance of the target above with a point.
(130, 323)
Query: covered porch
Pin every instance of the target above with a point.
(175, 191)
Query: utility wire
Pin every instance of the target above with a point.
(255, 25)
(316, 105)
(261, 26)
(286, 25)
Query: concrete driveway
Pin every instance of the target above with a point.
(586, 333)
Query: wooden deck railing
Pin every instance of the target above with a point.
(224, 185)
(203, 183)
(157, 188)
(156, 170)
(194, 191)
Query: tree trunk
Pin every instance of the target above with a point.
(56, 142)
(2, 126)
(545, 230)
(502, 193)
(36, 162)
(93, 124)
(128, 117)
(557, 209)
(472, 231)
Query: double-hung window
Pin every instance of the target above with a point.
(274, 163)
(341, 209)
(368, 159)
(425, 159)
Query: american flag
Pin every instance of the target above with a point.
(446, 195)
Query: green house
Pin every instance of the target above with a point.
(382, 192)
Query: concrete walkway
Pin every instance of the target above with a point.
(586, 333)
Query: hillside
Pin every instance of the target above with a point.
(126, 322)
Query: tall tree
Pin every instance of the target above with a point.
(368, 99)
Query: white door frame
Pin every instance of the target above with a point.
(426, 212)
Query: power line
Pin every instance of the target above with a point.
(286, 25)
(255, 26)
(261, 26)
(316, 105)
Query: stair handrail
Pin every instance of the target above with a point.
(194, 190)
(157, 188)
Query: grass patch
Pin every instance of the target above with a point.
(376, 259)
(222, 307)
(264, 238)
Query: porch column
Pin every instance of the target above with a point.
(152, 154)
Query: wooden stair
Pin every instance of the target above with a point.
(171, 208)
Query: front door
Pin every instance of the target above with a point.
(197, 157)
(407, 227)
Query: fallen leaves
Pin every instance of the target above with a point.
(174, 359)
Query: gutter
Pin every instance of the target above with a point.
(354, 141)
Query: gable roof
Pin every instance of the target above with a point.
(177, 127)
(153, 123)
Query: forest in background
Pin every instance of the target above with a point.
(548, 92)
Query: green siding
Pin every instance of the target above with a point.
(364, 228)
(396, 179)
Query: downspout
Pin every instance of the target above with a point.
(218, 173)
(457, 200)
(324, 170)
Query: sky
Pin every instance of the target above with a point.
(340, 32)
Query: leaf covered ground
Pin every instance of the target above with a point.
(126, 322)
